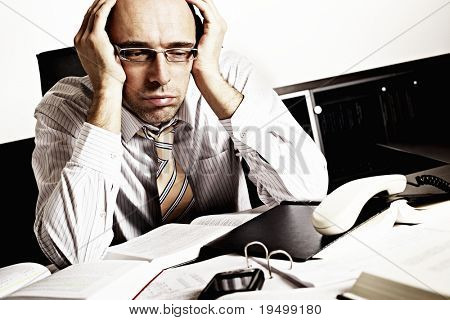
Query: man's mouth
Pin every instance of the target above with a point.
(160, 100)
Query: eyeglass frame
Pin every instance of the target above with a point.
(192, 50)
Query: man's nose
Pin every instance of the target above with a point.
(159, 70)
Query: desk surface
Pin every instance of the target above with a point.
(331, 276)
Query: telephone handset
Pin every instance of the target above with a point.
(338, 212)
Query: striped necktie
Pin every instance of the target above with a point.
(175, 194)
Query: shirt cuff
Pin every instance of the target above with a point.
(98, 149)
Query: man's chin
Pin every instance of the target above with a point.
(159, 115)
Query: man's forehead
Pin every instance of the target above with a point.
(147, 3)
(165, 19)
(151, 9)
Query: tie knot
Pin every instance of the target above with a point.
(164, 135)
(163, 140)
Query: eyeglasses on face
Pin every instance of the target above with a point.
(147, 54)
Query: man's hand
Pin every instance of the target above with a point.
(103, 67)
(222, 98)
(210, 43)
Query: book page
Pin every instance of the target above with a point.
(378, 230)
(437, 216)
(186, 282)
(358, 239)
(328, 292)
(421, 258)
(171, 243)
(233, 219)
(228, 219)
(20, 275)
(84, 281)
(260, 209)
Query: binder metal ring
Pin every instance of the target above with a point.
(275, 252)
(258, 243)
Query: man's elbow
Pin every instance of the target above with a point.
(49, 247)
(314, 185)
(319, 184)
(61, 250)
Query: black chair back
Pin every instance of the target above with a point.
(18, 192)
(57, 64)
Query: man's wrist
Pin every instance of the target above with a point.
(106, 109)
(108, 87)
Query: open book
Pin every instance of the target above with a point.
(126, 269)
(20, 275)
(92, 280)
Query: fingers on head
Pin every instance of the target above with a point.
(209, 12)
(101, 15)
(84, 25)
(95, 17)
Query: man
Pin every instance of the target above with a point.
(157, 130)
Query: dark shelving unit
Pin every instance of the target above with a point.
(380, 121)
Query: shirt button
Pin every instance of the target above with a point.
(102, 214)
(113, 156)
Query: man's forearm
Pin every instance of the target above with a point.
(221, 97)
(105, 71)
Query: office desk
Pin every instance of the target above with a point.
(331, 275)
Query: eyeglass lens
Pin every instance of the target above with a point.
(146, 54)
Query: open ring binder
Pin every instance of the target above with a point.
(268, 255)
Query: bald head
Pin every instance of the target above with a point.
(156, 20)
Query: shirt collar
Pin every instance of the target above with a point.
(185, 115)
(130, 124)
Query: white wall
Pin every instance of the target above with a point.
(291, 41)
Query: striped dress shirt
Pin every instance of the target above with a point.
(98, 188)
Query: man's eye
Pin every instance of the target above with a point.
(138, 55)
(178, 53)
(134, 53)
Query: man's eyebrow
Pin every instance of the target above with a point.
(132, 44)
(141, 44)
(180, 44)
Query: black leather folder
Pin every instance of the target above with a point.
(286, 227)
